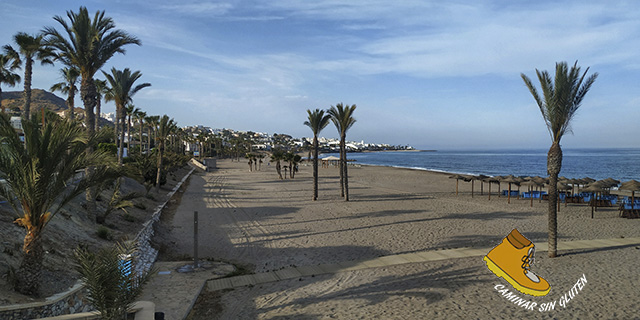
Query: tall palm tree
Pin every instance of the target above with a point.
(68, 86)
(561, 99)
(152, 122)
(123, 88)
(30, 47)
(37, 174)
(277, 156)
(8, 64)
(87, 44)
(342, 118)
(165, 127)
(129, 109)
(139, 116)
(317, 121)
(101, 89)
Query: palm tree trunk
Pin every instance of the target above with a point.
(279, 169)
(116, 128)
(315, 167)
(1, 106)
(346, 175)
(123, 119)
(98, 105)
(129, 134)
(158, 175)
(71, 103)
(554, 164)
(140, 136)
(342, 164)
(88, 95)
(26, 113)
(28, 274)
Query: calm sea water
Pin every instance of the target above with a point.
(620, 164)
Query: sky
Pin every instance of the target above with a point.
(430, 74)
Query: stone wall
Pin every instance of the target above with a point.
(70, 301)
(75, 300)
(145, 254)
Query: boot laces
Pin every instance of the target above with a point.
(528, 260)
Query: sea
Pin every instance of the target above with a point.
(619, 164)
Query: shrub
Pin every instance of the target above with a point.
(104, 233)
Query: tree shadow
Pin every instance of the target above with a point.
(569, 253)
(486, 241)
(432, 285)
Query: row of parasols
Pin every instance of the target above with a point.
(564, 184)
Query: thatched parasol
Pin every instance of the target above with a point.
(531, 183)
(510, 179)
(565, 187)
(481, 178)
(491, 180)
(595, 187)
(633, 186)
(459, 177)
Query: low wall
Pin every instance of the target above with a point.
(75, 300)
(197, 164)
(145, 254)
(70, 301)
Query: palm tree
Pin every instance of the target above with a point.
(317, 121)
(561, 99)
(152, 122)
(8, 64)
(122, 92)
(38, 174)
(87, 44)
(140, 115)
(30, 47)
(165, 127)
(101, 90)
(113, 283)
(130, 109)
(342, 118)
(68, 86)
(277, 156)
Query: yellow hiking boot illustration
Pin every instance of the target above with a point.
(512, 260)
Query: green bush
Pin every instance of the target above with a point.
(108, 147)
(104, 233)
(128, 217)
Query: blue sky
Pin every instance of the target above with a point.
(432, 74)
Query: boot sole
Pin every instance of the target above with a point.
(501, 274)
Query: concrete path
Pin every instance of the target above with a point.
(175, 293)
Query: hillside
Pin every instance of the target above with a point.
(13, 100)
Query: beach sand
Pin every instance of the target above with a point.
(265, 224)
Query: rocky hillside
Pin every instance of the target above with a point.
(13, 101)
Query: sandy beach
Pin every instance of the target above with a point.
(255, 220)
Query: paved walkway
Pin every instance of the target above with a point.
(175, 293)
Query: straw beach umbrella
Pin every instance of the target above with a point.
(531, 183)
(510, 179)
(633, 186)
(459, 177)
(481, 178)
(491, 180)
(594, 187)
(564, 187)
